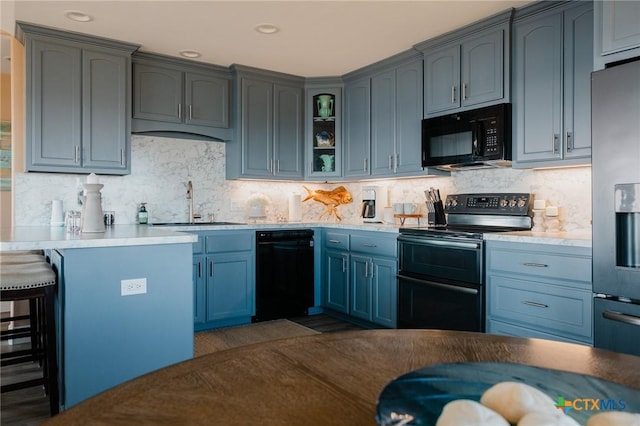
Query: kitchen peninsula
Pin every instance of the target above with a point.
(112, 330)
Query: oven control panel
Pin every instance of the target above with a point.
(512, 204)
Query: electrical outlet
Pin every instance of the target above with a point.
(134, 286)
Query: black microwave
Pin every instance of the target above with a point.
(476, 138)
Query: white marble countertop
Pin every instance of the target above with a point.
(45, 237)
(575, 239)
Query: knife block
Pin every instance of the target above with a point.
(435, 215)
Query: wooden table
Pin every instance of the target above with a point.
(326, 379)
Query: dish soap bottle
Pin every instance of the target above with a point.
(143, 215)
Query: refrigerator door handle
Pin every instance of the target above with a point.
(620, 317)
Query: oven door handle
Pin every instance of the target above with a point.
(620, 317)
(439, 243)
(449, 287)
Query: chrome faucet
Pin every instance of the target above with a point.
(192, 216)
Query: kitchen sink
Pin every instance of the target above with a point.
(196, 223)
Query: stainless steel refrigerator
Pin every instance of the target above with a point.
(615, 114)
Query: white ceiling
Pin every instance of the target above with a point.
(317, 38)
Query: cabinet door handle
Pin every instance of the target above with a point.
(535, 304)
(76, 154)
(365, 165)
(397, 163)
(391, 162)
(210, 268)
(366, 269)
(453, 94)
(369, 245)
(179, 110)
(277, 166)
(620, 317)
(190, 112)
(464, 91)
(122, 157)
(371, 269)
(535, 265)
(344, 264)
(556, 139)
(569, 142)
(334, 241)
(199, 269)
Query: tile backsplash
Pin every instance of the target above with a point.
(161, 168)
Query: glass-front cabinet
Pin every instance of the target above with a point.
(324, 132)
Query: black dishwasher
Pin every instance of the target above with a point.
(284, 274)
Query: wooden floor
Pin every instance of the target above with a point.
(30, 407)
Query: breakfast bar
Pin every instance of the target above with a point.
(124, 305)
(325, 379)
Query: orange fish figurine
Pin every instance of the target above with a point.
(332, 199)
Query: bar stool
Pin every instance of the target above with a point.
(35, 281)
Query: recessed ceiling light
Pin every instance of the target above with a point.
(267, 29)
(76, 15)
(191, 54)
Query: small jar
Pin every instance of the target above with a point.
(72, 221)
(109, 217)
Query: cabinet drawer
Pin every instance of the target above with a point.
(498, 327)
(556, 265)
(375, 244)
(336, 240)
(564, 311)
(220, 243)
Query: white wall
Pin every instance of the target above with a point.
(161, 168)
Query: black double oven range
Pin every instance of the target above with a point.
(441, 281)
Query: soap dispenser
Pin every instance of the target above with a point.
(143, 215)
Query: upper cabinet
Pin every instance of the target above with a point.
(268, 121)
(396, 114)
(468, 68)
(78, 90)
(323, 140)
(553, 60)
(357, 132)
(174, 95)
(617, 31)
(382, 119)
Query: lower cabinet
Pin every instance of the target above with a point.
(223, 279)
(539, 290)
(360, 275)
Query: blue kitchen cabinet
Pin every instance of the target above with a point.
(359, 279)
(78, 96)
(539, 290)
(199, 282)
(467, 68)
(269, 126)
(357, 127)
(553, 60)
(106, 338)
(172, 95)
(223, 278)
(616, 31)
(323, 130)
(396, 114)
(336, 267)
(374, 265)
